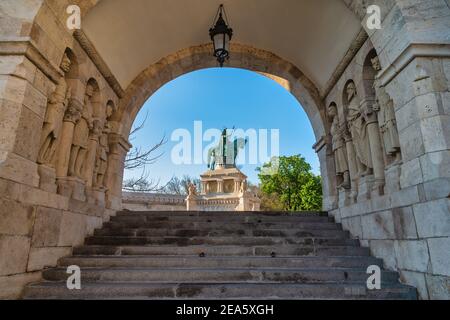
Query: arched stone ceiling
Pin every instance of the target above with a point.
(131, 35)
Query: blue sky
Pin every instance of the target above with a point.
(222, 98)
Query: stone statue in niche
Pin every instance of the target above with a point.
(192, 189)
(359, 133)
(54, 116)
(81, 135)
(386, 118)
(101, 162)
(338, 147)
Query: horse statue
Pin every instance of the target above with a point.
(226, 152)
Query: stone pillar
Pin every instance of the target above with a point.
(91, 154)
(219, 186)
(353, 169)
(119, 148)
(71, 117)
(237, 186)
(325, 154)
(376, 150)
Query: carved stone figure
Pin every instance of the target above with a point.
(192, 189)
(101, 163)
(359, 133)
(53, 122)
(386, 117)
(338, 147)
(244, 187)
(81, 135)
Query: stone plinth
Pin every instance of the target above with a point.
(223, 189)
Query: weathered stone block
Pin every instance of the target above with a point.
(412, 255)
(404, 223)
(14, 254)
(354, 226)
(378, 226)
(436, 133)
(47, 227)
(438, 287)
(47, 178)
(73, 229)
(405, 197)
(411, 142)
(440, 255)
(433, 218)
(437, 189)
(12, 286)
(435, 165)
(411, 174)
(384, 249)
(416, 279)
(41, 258)
(27, 140)
(392, 176)
(15, 218)
(18, 169)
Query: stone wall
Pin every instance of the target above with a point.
(399, 206)
(41, 219)
(136, 201)
(406, 222)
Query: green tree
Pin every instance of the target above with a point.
(293, 182)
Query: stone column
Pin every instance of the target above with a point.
(119, 148)
(219, 186)
(72, 115)
(352, 166)
(237, 186)
(92, 152)
(324, 152)
(376, 151)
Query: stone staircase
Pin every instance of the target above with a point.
(219, 255)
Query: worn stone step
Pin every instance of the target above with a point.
(225, 219)
(221, 232)
(220, 262)
(280, 250)
(116, 290)
(224, 225)
(225, 213)
(186, 241)
(182, 275)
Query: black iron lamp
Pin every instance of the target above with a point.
(221, 36)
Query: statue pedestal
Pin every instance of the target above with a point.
(47, 178)
(345, 197)
(365, 187)
(72, 187)
(96, 196)
(393, 174)
(223, 189)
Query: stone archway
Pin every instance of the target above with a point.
(407, 225)
(199, 57)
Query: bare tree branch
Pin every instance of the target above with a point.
(140, 159)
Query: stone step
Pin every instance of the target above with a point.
(225, 219)
(186, 241)
(224, 213)
(139, 232)
(283, 250)
(279, 214)
(219, 262)
(182, 275)
(123, 290)
(224, 225)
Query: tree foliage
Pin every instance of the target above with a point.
(296, 187)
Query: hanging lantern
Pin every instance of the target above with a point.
(221, 36)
